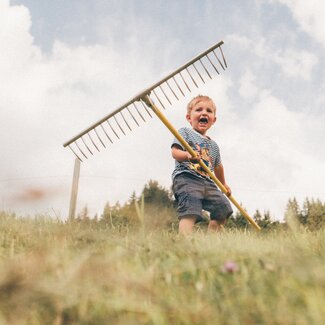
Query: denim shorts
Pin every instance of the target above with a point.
(194, 194)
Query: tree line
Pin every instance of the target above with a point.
(155, 207)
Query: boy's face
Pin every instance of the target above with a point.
(202, 116)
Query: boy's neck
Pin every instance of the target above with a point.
(202, 134)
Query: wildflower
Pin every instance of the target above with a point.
(230, 267)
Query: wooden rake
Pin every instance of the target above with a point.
(135, 111)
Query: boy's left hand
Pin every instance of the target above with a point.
(228, 189)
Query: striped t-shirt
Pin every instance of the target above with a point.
(208, 148)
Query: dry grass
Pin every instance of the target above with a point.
(69, 273)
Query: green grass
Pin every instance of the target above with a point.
(72, 273)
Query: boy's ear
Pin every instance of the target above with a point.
(188, 117)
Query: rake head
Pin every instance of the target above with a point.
(174, 86)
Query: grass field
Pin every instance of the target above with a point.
(53, 272)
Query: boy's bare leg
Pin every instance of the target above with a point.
(216, 225)
(186, 225)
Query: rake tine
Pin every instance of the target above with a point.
(171, 89)
(180, 89)
(162, 89)
(158, 99)
(213, 65)
(86, 145)
(112, 129)
(206, 70)
(100, 138)
(192, 78)
(92, 141)
(125, 121)
(145, 107)
(80, 150)
(106, 133)
(185, 82)
(138, 111)
(133, 116)
(75, 153)
(223, 57)
(119, 124)
(218, 60)
(198, 72)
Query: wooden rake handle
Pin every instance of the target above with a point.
(147, 100)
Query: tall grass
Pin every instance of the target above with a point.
(53, 272)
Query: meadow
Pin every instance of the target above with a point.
(55, 272)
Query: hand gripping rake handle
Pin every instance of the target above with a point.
(147, 100)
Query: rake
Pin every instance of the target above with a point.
(135, 111)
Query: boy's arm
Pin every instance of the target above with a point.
(220, 174)
(182, 155)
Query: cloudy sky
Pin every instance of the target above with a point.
(66, 64)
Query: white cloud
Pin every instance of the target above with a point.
(274, 151)
(296, 64)
(47, 98)
(247, 88)
(310, 15)
(15, 38)
(292, 62)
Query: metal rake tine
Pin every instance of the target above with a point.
(212, 64)
(133, 116)
(92, 141)
(125, 121)
(75, 153)
(145, 107)
(206, 70)
(100, 138)
(192, 79)
(86, 145)
(112, 129)
(80, 150)
(171, 89)
(198, 72)
(138, 112)
(106, 133)
(219, 60)
(185, 82)
(119, 124)
(162, 89)
(223, 57)
(180, 89)
(158, 99)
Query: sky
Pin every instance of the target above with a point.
(66, 64)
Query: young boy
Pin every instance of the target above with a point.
(193, 189)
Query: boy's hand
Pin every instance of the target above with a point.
(228, 189)
(194, 160)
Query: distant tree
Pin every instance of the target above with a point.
(263, 221)
(113, 215)
(159, 208)
(258, 217)
(237, 220)
(316, 215)
(84, 214)
(105, 216)
(292, 214)
(312, 214)
(155, 194)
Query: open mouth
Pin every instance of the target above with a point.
(203, 120)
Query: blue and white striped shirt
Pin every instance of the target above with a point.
(208, 149)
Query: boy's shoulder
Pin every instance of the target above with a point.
(186, 129)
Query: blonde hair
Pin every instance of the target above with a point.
(198, 99)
